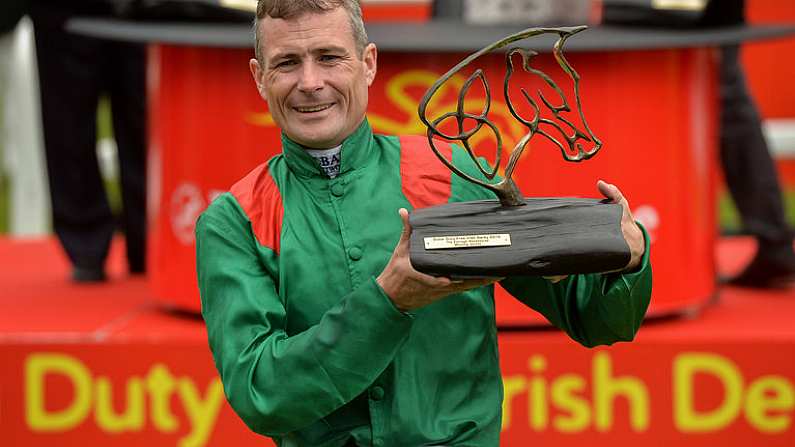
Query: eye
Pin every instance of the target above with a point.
(285, 64)
(329, 58)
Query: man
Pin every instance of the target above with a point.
(74, 71)
(322, 332)
(748, 166)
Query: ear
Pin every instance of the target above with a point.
(370, 59)
(257, 73)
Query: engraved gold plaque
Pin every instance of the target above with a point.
(468, 241)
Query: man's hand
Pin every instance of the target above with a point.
(632, 233)
(409, 289)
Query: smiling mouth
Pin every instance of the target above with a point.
(313, 109)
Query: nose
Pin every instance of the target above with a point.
(310, 78)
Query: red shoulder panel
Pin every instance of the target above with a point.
(425, 179)
(261, 200)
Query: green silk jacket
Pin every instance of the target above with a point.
(310, 349)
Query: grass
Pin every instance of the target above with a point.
(4, 211)
(105, 130)
(729, 219)
(104, 123)
(789, 206)
(3, 200)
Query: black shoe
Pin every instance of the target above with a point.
(88, 275)
(770, 269)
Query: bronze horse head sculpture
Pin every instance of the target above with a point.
(571, 138)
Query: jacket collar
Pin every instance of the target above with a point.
(356, 152)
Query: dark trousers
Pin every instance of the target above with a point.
(747, 164)
(73, 72)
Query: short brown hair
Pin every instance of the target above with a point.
(287, 9)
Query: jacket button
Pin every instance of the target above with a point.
(355, 253)
(377, 393)
(337, 190)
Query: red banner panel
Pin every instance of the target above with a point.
(679, 394)
(663, 392)
(655, 111)
(100, 365)
(121, 394)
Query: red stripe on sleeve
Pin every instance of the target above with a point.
(261, 200)
(426, 181)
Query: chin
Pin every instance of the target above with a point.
(318, 140)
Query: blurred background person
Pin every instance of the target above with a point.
(74, 71)
(748, 167)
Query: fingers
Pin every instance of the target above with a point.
(610, 191)
(457, 284)
(405, 235)
(431, 281)
(470, 283)
(556, 279)
(630, 230)
(467, 284)
(604, 188)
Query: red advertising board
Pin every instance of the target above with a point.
(682, 394)
(654, 110)
(100, 365)
(678, 386)
(117, 394)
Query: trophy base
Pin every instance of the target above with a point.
(547, 236)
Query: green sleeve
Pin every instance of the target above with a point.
(594, 309)
(278, 383)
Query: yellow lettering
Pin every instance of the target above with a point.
(202, 413)
(564, 395)
(607, 388)
(758, 403)
(511, 387)
(131, 419)
(161, 384)
(37, 367)
(686, 418)
(537, 397)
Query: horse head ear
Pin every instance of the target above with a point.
(526, 56)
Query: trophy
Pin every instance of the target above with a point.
(516, 235)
